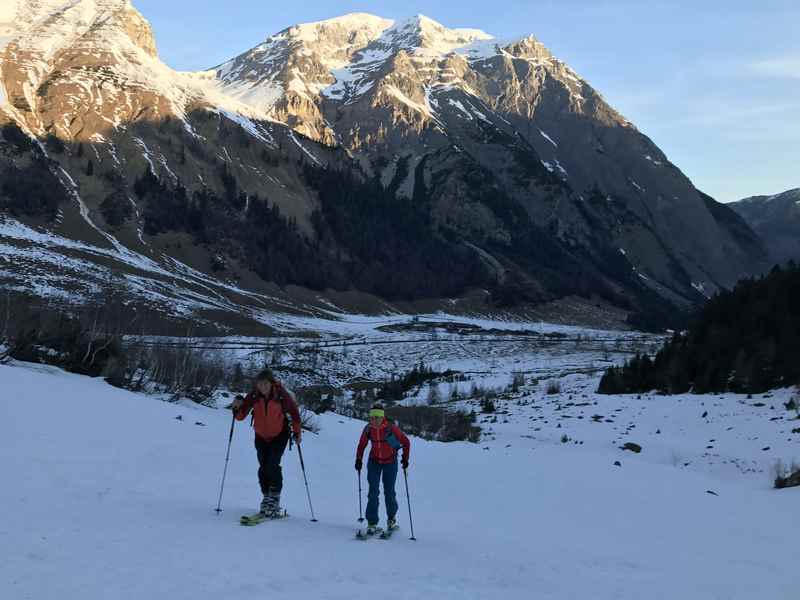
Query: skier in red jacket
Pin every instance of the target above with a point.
(386, 440)
(271, 405)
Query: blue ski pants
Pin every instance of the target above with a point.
(375, 472)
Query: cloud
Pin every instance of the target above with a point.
(787, 67)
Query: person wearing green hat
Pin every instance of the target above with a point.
(386, 439)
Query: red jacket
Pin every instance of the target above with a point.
(381, 450)
(269, 414)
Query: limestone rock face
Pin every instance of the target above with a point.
(393, 92)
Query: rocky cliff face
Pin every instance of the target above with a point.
(401, 159)
(395, 93)
(776, 219)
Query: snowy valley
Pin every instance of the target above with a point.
(113, 493)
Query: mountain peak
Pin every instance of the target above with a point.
(420, 21)
(421, 33)
(367, 25)
(529, 47)
(49, 26)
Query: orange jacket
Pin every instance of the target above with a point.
(269, 414)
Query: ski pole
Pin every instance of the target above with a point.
(225, 471)
(360, 511)
(308, 493)
(408, 498)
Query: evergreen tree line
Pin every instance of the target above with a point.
(28, 190)
(746, 340)
(366, 238)
(246, 226)
(387, 245)
(394, 390)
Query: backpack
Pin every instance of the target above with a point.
(391, 438)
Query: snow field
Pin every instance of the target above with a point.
(107, 494)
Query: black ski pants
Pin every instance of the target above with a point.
(270, 475)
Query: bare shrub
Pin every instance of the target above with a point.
(5, 322)
(434, 397)
(553, 387)
(455, 393)
(317, 399)
(181, 371)
(434, 423)
(517, 381)
(786, 477)
(308, 420)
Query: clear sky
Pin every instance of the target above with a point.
(715, 84)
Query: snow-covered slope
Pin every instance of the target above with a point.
(109, 494)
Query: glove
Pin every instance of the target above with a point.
(404, 463)
(237, 403)
(298, 436)
(358, 464)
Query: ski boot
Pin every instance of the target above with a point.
(267, 505)
(274, 510)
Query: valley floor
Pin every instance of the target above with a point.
(109, 494)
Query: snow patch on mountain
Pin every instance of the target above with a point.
(260, 95)
(305, 150)
(351, 80)
(548, 138)
(349, 31)
(8, 12)
(427, 38)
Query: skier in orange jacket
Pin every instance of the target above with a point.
(272, 406)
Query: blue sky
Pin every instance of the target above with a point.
(715, 84)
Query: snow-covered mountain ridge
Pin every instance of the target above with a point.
(509, 153)
(341, 59)
(78, 69)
